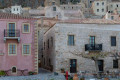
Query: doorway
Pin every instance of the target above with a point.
(73, 65)
(11, 29)
(101, 65)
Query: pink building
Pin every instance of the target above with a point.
(18, 44)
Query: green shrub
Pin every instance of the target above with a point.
(31, 73)
(2, 73)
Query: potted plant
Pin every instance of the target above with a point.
(2, 73)
(62, 70)
(31, 73)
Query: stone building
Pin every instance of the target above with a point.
(113, 6)
(44, 24)
(18, 44)
(99, 7)
(67, 39)
(52, 2)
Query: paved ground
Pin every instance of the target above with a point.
(43, 75)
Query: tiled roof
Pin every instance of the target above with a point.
(90, 21)
(13, 16)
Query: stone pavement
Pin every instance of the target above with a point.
(43, 75)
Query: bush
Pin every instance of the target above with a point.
(2, 73)
(82, 78)
(31, 73)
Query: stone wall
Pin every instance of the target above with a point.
(82, 32)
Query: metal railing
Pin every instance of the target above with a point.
(11, 33)
(93, 47)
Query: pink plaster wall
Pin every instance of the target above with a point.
(19, 60)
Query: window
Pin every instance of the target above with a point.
(115, 63)
(12, 49)
(26, 49)
(14, 70)
(53, 3)
(111, 5)
(48, 43)
(113, 41)
(71, 40)
(51, 41)
(102, 3)
(102, 10)
(38, 33)
(97, 4)
(92, 40)
(97, 10)
(17, 9)
(112, 17)
(117, 5)
(44, 45)
(54, 8)
(26, 28)
(90, 1)
(14, 9)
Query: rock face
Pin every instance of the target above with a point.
(60, 54)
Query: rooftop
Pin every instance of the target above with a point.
(13, 16)
(90, 21)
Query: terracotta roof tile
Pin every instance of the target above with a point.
(13, 16)
(90, 21)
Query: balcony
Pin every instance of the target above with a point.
(93, 47)
(11, 34)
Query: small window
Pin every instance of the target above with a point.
(97, 10)
(44, 61)
(48, 43)
(117, 5)
(97, 4)
(38, 33)
(112, 17)
(113, 41)
(90, 1)
(26, 28)
(26, 49)
(115, 63)
(51, 41)
(92, 40)
(12, 49)
(17, 9)
(71, 40)
(102, 10)
(111, 5)
(72, 7)
(44, 45)
(14, 70)
(54, 8)
(14, 9)
(53, 3)
(64, 7)
(102, 3)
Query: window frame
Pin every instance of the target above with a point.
(114, 66)
(15, 49)
(91, 40)
(97, 10)
(115, 41)
(23, 49)
(97, 4)
(28, 27)
(12, 71)
(73, 40)
(54, 8)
